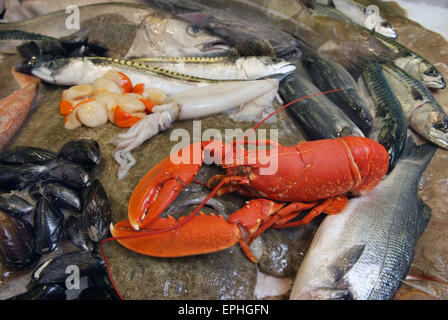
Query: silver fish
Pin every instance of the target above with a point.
(365, 16)
(365, 251)
(144, 30)
(224, 68)
(423, 112)
(414, 64)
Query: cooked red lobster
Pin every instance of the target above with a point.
(316, 175)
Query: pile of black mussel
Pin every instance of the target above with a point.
(64, 201)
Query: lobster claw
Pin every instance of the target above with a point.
(202, 234)
(161, 185)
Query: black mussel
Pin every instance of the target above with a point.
(15, 206)
(17, 176)
(35, 190)
(46, 292)
(85, 152)
(24, 154)
(62, 196)
(76, 233)
(68, 173)
(58, 269)
(48, 226)
(16, 241)
(97, 214)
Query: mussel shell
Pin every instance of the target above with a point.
(15, 206)
(16, 241)
(85, 152)
(69, 173)
(62, 196)
(54, 270)
(25, 154)
(76, 233)
(48, 226)
(97, 214)
(45, 292)
(17, 176)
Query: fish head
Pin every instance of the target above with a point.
(258, 67)
(432, 78)
(52, 70)
(433, 122)
(177, 37)
(250, 38)
(386, 29)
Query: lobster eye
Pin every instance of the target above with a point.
(194, 30)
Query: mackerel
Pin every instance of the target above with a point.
(423, 112)
(390, 125)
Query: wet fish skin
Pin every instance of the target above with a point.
(390, 125)
(317, 116)
(245, 33)
(423, 112)
(15, 108)
(224, 68)
(328, 75)
(414, 64)
(147, 30)
(365, 251)
(358, 14)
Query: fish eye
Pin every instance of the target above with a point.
(431, 72)
(441, 125)
(193, 30)
(386, 24)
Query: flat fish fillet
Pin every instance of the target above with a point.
(15, 108)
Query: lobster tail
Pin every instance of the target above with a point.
(372, 162)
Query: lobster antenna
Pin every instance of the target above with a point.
(212, 193)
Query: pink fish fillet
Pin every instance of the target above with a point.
(15, 108)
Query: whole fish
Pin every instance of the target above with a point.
(249, 35)
(365, 251)
(317, 116)
(15, 108)
(224, 68)
(414, 64)
(402, 56)
(128, 30)
(72, 71)
(423, 112)
(390, 125)
(328, 75)
(364, 16)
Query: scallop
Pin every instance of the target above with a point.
(108, 100)
(113, 75)
(92, 114)
(77, 93)
(130, 103)
(71, 121)
(156, 95)
(103, 84)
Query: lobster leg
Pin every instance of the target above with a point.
(330, 206)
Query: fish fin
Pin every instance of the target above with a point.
(425, 213)
(260, 47)
(344, 263)
(413, 152)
